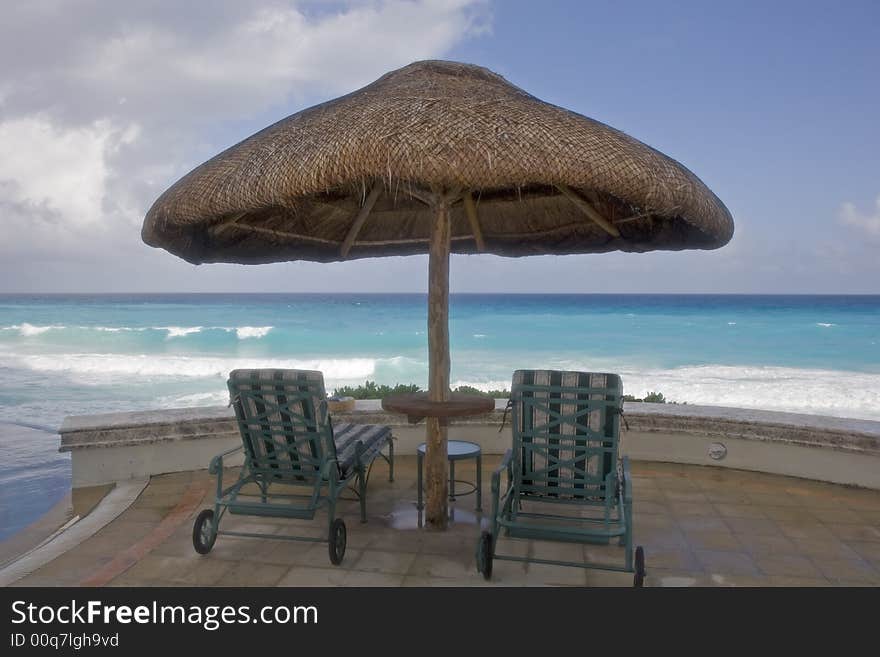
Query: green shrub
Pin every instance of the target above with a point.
(372, 390)
(495, 394)
(652, 398)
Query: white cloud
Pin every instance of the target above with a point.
(103, 105)
(62, 171)
(866, 223)
(280, 48)
(240, 59)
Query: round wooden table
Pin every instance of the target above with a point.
(418, 406)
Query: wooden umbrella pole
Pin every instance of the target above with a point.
(436, 463)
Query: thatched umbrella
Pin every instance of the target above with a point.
(435, 157)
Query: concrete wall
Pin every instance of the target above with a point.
(119, 446)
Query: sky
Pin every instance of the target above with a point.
(774, 105)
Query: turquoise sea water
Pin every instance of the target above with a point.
(62, 355)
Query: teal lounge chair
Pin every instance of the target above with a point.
(295, 459)
(564, 480)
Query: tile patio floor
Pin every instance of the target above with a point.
(700, 526)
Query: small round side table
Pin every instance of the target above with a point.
(457, 451)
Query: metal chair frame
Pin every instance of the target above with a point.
(547, 468)
(287, 443)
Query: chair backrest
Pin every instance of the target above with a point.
(284, 424)
(566, 428)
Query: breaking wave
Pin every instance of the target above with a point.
(818, 392)
(245, 332)
(100, 368)
(181, 331)
(27, 330)
(213, 398)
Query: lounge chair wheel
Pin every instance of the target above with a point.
(639, 577)
(337, 541)
(203, 532)
(484, 555)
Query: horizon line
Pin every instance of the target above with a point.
(423, 293)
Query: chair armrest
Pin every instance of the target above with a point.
(626, 484)
(504, 465)
(330, 473)
(217, 462)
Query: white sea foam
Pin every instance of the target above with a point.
(731, 323)
(823, 392)
(180, 331)
(825, 324)
(241, 332)
(245, 332)
(29, 330)
(89, 368)
(213, 398)
(479, 335)
(399, 369)
(819, 392)
(485, 386)
(402, 364)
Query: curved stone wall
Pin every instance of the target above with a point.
(118, 446)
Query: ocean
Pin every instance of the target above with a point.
(78, 354)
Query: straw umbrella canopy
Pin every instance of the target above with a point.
(436, 157)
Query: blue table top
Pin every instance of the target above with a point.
(457, 449)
